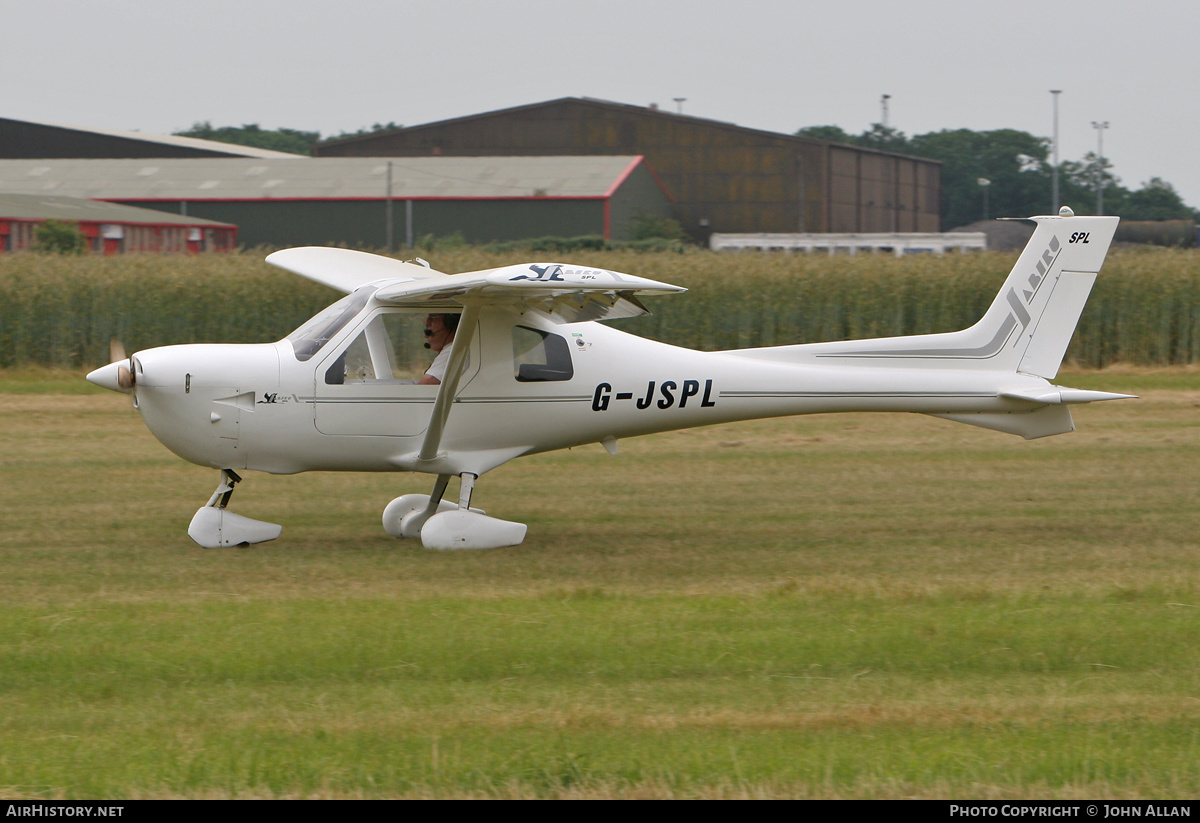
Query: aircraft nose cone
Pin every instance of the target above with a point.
(115, 377)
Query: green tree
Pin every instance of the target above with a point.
(1080, 179)
(1155, 200)
(884, 138)
(292, 141)
(59, 237)
(1014, 161)
(834, 134)
(375, 128)
(644, 226)
(1016, 165)
(879, 136)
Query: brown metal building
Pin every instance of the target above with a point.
(723, 177)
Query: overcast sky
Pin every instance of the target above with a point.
(162, 66)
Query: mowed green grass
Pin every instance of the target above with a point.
(829, 606)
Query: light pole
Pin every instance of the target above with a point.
(984, 183)
(388, 210)
(679, 101)
(883, 105)
(1054, 169)
(1100, 127)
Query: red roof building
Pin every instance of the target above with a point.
(110, 228)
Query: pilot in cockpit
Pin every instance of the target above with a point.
(439, 334)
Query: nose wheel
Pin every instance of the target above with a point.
(444, 525)
(213, 526)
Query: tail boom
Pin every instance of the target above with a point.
(1026, 329)
(1014, 349)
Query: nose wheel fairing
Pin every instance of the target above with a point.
(214, 527)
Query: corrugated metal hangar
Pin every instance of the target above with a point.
(109, 228)
(301, 201)
(723, 177)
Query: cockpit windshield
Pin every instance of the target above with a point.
(309, 338)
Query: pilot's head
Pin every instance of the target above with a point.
(439, 330)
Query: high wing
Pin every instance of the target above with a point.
(567, 293)
(345, 269)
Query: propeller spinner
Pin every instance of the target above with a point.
(117, 375)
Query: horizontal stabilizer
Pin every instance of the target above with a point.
(1056, 395)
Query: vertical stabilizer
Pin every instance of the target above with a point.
(1033, 318)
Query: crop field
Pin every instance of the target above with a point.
(848, 606)
(63, 311)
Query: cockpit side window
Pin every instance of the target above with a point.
(313, 335)
(539, 356)
(389, 349)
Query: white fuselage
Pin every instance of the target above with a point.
(260, 407)
(530, 371)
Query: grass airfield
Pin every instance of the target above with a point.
(847, 606)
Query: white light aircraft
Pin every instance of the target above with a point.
(531, 371)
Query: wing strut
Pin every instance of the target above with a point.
(454, 370)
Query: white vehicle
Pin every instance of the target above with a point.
(530, 371)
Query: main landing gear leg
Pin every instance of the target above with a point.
(213, 526)
(443, 525)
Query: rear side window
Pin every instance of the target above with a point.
(540, 356)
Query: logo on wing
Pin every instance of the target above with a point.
(543, 273)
